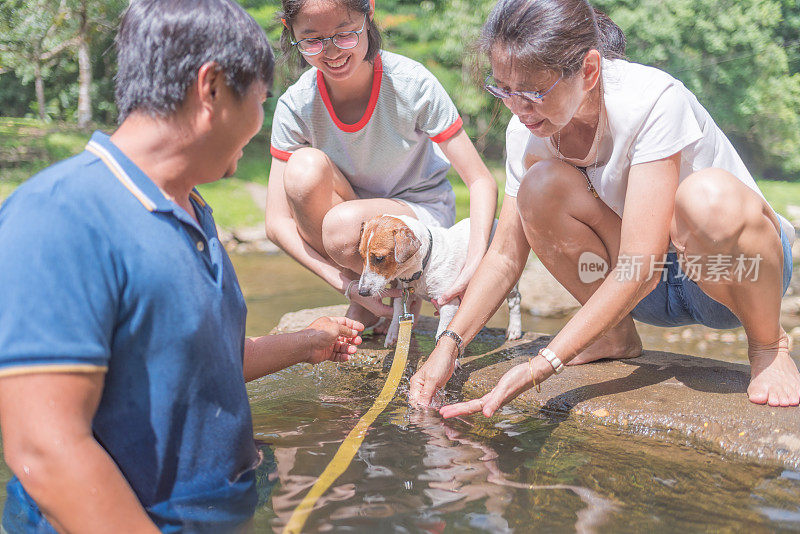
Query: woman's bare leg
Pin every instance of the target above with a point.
(716, 214)
(562, 221)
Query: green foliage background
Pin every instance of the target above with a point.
(740, 57)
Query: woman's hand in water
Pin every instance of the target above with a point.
(434, 373)
(332, 338)
(514, 382)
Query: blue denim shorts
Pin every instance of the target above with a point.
(679, 301)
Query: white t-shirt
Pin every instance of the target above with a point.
(392, 151)
(648, 116)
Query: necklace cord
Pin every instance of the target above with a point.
(595, 143)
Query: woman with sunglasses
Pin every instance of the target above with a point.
(618, 166)
(364, 132)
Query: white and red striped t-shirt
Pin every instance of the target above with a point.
(391, 152)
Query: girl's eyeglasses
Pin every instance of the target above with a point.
(343, 40)
(534, 97)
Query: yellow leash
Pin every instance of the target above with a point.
(349, 448)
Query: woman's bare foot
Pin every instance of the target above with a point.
(621, 342)
(774, 379)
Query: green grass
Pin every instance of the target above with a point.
(232, 203)
(28, 146)
(780, 194)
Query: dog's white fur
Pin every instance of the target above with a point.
(448, 257)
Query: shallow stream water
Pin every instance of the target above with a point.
(416, 472)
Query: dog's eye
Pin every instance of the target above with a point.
(378, 259)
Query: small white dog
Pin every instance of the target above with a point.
(428, 259)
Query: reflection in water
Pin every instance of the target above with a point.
(472, 479)
(455, 471)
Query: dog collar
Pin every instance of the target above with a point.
(425, 260)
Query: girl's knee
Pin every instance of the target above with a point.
(340, 230)
(306, 170)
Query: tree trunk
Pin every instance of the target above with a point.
(84, 72)
(39, 84)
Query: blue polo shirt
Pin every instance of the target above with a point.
(99, 271)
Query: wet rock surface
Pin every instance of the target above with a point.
(676, 397)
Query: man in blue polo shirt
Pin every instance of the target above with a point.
(122, 348)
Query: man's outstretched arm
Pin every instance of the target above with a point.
(46, 421)
(327, 338)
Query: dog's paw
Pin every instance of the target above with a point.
(391, 336)
(513, 333)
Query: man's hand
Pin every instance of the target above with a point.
(514, 382)
(332, 338)
(434, 374)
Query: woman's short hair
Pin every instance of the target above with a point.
(162, 44)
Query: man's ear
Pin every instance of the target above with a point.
(406, 244)
(210, 79)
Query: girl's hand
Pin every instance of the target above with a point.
(514, 382)
(374, 304)
(333, 338)
(459, 287)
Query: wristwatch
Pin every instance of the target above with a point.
(454, 336)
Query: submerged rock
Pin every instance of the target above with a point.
(670, 396)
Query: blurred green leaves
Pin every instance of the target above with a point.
(740, 57)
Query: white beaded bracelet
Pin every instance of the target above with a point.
(552, 359)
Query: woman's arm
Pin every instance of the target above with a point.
(482, 205)
(282, 230)
(48, 443)
(649, 205)
(497, 273)
(327, 338)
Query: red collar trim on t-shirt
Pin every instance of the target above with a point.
(373, 99)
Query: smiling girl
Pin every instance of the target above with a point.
(364, 132)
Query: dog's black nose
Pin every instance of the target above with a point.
(364, 292)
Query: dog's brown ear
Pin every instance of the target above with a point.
(362, 245)
(406, 244)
